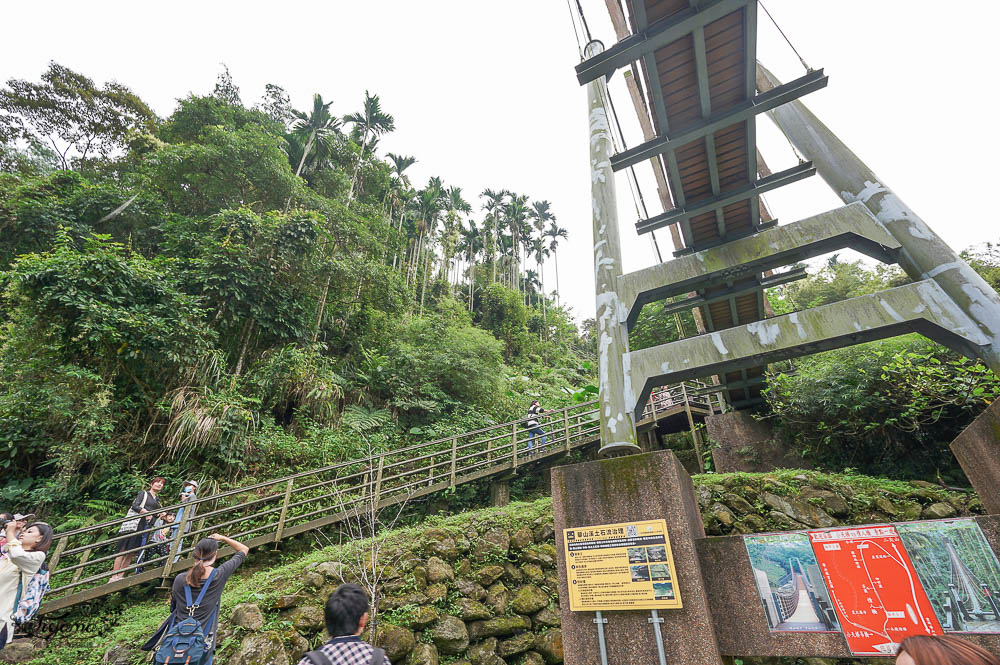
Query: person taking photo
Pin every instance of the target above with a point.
(25, 555)
(204, 581)
(143, 506)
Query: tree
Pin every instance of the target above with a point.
(516, 217)
(400, 192)
(317, 129)
(67, 111)
(555, 233)
(491, 225)
(373, 122)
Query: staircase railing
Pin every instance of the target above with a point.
(270, 511)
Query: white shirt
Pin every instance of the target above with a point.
(18, 564)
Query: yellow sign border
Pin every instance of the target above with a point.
(616, 533)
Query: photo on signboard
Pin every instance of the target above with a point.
(656, 553)
(959, 572)
(659, 571)
(663, 590)
(640, 573)
(636, 555)
(790, 585)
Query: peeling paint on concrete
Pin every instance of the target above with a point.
(869, 190)
(794, 318)
(944, 267)
(717, 340)
(766, 332)
(918, 229)
(890, 311)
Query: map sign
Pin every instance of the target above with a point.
(626, 566)
(874, 588)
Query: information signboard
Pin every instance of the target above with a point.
(874, 588)
(626, 566)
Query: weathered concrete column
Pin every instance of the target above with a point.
(618, 435)
(500, 492)
(978, 451)
(924, 254)
(627, 489)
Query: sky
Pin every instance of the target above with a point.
(484, 94)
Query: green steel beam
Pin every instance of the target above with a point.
(755, 188)
(658, 34)
(736, 291)
(745, 110)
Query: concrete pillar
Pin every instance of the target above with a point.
(924, 254)
(977, 449)
(743, 443)
(618, 435)
(500, 492)
(626, 489)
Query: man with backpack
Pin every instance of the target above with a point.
(346, 614)
(534, 428)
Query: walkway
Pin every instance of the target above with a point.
(270, 511)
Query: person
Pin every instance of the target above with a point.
(534, 428)
(346, 615)
(942, 650)
(187, 496)
(145, 504)
(161, 539)
(207, 613)
(19, 520)
(25, 556)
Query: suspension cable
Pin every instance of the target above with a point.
(787, 40)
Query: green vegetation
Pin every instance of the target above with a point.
(236, 292)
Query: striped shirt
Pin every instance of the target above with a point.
(347, 650)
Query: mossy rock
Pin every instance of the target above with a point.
(423, 654)
(449, 635)
(471, 610)
(515, 645)
(263, 648)
(550, 646)
(487, 575)
(470, 589)
(499, 627)
(529, 599)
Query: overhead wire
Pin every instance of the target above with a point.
(787, 40)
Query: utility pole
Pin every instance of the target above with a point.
(618, 436)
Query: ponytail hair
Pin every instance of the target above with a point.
(205, 550)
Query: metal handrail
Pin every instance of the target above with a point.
(389, 477)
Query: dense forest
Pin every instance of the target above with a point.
(238, 291)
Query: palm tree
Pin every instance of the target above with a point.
(554, 233)
(373, 122)
(455, 204)
(400, 190)
(516, 216)
(429, 203)
(491, 225)
(316, 129)
(472, 243)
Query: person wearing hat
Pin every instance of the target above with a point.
(20, 522)
(188, 495)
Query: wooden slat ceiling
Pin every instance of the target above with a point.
(676, 76)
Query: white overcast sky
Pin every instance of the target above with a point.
(484, 94)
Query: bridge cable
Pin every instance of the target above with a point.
(787, 40)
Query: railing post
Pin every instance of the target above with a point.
(284, 512)
(378, 479)
(652, 404)
(175, 546)
(60, 546)
(513, 440)
(695, 438)
(83, 559)
(566, 427)
(454, 455)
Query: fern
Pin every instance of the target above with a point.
(362, 419)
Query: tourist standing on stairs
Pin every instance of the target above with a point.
(188, 586)
(143, 508)
(25, 555)
(534, 428)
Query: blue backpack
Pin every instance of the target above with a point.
(186, 641)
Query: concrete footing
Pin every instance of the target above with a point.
(632, 488)
(500, 492)
(742, 443)
(977, 449)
